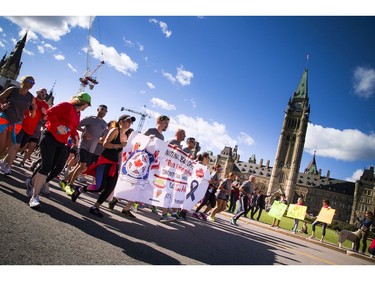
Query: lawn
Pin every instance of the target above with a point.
(287, 224)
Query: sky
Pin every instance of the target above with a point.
(225, 79)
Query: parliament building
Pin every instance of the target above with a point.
(285, 176)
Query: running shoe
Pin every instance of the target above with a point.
(75, 195)
(166, 218)
(21, 164)
(211, 219)
(34, 202)
(203, 216)
(112, 203)
(69, 189)
(154, 210)
(7, 170)
(196, 215)
(95, 211)
(128, 214)
(176, 216)
(29, 188)
(233, 221)
(63, 184)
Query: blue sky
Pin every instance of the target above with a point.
(225, 79)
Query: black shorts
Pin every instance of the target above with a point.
(22, 138)
(85, 157)
(33, 140)
(209, 198)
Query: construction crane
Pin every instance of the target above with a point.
(88, 79)
(143, 117)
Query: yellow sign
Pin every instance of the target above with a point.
(277, 210)
(326, 215)
(296, 211)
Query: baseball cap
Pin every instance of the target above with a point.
(126, 117)
(84, 97)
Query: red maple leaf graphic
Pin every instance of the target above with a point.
(138, 163)
(199, 173)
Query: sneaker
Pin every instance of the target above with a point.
(176, 216)
(45, 189)
(211, 219)
(29, 188)
(128, 214)
(34, 202)
(196, 215)
(69, 189)
(63, 184)
(293, 232)
(95, 211)
(233, 221)
(166, 218)
(203, 216)
(312, 237)
(7, 170)
(75, 194)
(81, 179)
(154, 210)
(112, 203)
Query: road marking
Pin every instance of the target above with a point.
(302, 253)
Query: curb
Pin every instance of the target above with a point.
(286, 232)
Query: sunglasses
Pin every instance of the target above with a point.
(164, 118)
(31, 81)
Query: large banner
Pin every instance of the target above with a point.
(277, 210)
(326, 215)
(154, 172)
(296, 211)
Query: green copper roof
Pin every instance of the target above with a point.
(301, 91)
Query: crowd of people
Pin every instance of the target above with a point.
(27, 123)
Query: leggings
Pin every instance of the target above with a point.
(53, 155)
(105, 182)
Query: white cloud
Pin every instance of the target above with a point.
(205, 132)
(168, 76)
(183, 76)
(49, 47)
(119, 61)
(59, 57)
(163, 26)
(193, 103)
(50, 27)
(156, 102)
(40, 49)
(245, 138)
(2, 45)
(364, 82)
(356, 175)
(1, 30)
(27, 52)
(346, 145)
(72, 68)
(150, 85)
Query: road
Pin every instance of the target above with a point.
(65, 233)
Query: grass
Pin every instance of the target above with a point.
(287, 224)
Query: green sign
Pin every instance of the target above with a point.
(277, 210)
(296, 211)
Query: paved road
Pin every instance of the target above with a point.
(65, 233)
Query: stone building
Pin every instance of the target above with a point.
(10, 68)
(285, 176)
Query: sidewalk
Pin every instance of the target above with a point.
(329, 245)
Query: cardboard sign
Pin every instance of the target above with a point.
(326, 215)
(277, 210)
(296, 211)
